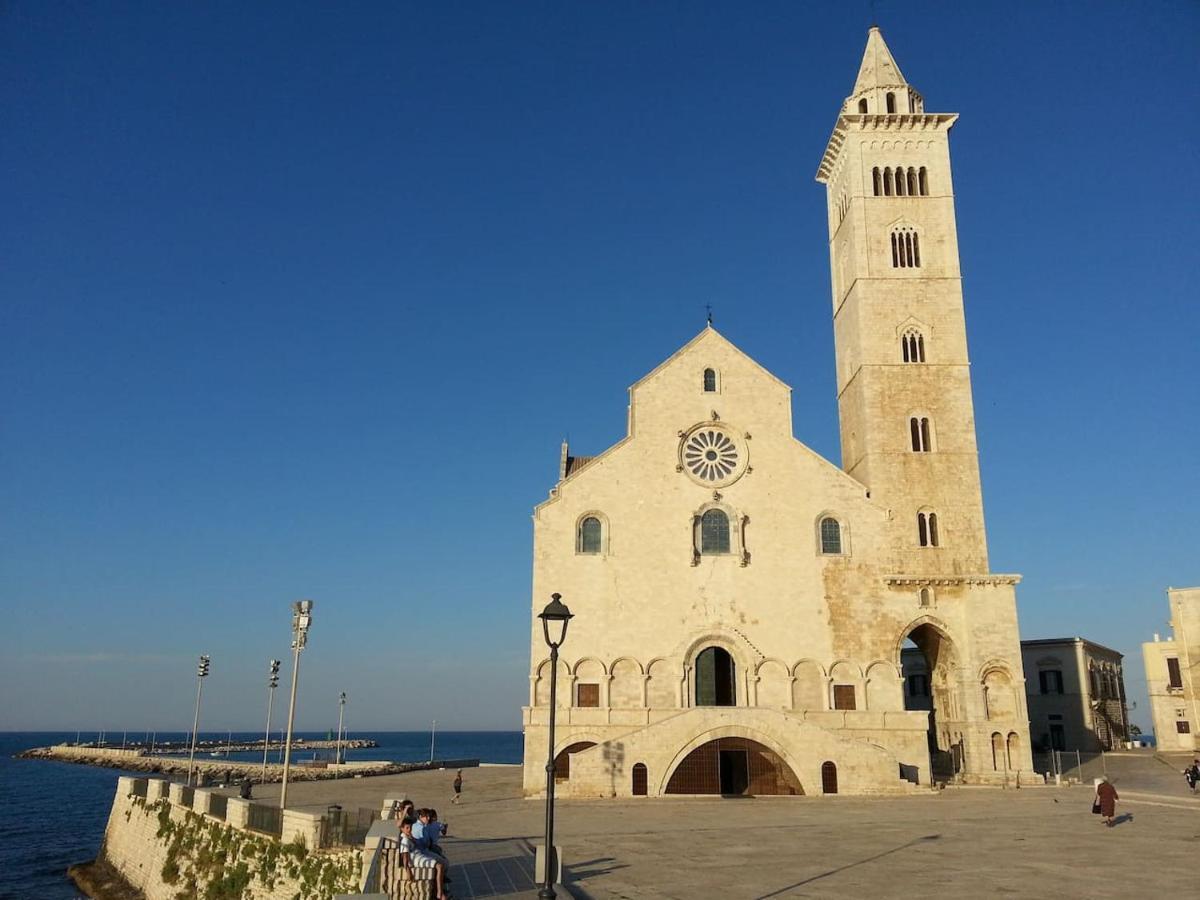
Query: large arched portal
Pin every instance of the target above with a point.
(715, 678)
(931, 683)
(733, 767)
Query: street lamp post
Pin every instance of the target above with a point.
(341, 715)
(555, 612)
(272, 683)
(301, 620)
(432, 740)
(201, 674)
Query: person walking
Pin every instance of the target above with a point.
(457, 788)
(1106, 799)
(1192, 774)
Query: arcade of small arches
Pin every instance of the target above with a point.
(899, 182)
(715, 676)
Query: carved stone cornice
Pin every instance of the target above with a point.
(895, 123)
(950, 580)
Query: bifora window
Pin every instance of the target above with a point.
(831, 536)
(927, 529)
(918, 427)
(590, 535)
(714, 532)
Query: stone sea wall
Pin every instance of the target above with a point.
(214, 769)
(159, 845)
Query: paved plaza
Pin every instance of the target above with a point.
(961, 842)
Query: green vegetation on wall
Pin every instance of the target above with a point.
(209, 860)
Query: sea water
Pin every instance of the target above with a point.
(55, 812)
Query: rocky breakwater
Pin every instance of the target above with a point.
(215, 770)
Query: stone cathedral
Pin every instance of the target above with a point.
(742, 605)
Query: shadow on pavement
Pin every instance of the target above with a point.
(904, 846)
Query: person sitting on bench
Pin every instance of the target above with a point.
(416, 862)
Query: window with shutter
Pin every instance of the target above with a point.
(587, 695)
(843, 696)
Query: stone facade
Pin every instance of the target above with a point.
(1173, 674)
(742, 604)
(1076, 695)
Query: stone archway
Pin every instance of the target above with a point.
(929, 662)
(716, 678)
(733, 766)
(562, 760)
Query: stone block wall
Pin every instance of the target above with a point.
(162, 847)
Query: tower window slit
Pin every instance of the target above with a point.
(900, 182)
(923, 182)
(926, 443)
(862, 105)
(915, 430)
(891, 102)
(895, 253)
(876, 181)
(916, 250)
(888, 184)
(912, 182)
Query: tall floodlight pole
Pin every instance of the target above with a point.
(272, 683)
(301, 620)
(432, 740)
(556, 611)
(201, 674)
(337, 759)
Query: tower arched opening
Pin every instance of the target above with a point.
(929, 663)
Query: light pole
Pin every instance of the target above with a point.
(272, 683)
(341, 714)
(201, 674)
(432, 740)
(556, 611)
(301, 620)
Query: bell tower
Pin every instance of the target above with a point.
(903, 376)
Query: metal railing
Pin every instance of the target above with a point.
(265, 819)
(1066, 766)
(217, 806)
(346, 827)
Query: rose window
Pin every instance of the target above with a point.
(710, 455)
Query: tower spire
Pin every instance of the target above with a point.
(879, 77)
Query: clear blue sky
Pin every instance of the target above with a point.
(299, 300)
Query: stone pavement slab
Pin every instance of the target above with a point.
(957, 843)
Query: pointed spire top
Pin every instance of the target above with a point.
(878, 67)
(879, 78)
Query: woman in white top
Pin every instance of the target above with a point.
(413, 857)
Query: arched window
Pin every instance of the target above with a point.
(710, 380)
(888, 185)
(906, 250)
(912, 346)
(918, 428)
(927, 529)
(862, 105)
(901, 190)
(923, 182)
(925, 596)
(891, 102)
(714, 532)
(912, 182)
(831, 536)
(590, 535)
(877, 181)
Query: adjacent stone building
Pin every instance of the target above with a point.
(741, 604)
(1173, 674)
(1076, 695)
